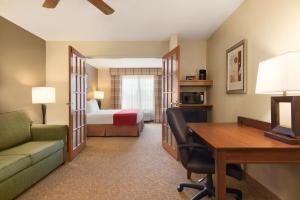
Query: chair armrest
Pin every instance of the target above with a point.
(193, 145)
(49, 132)
(42, 132)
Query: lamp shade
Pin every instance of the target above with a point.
(99, 95)
(43, 95)
(279, 74)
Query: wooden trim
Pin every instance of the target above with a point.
(70, 131)
(170, 96)
(260, 187)
(265, 126)
(72, 153)
(173, 152)
(195, 83)
(74, 51)
(172, 52)
(263, 155)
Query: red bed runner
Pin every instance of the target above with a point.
(125, 117)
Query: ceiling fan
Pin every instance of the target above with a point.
(101, 5)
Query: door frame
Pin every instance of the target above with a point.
(72, 153)
(169, 148)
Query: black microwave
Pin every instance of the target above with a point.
(192, 97)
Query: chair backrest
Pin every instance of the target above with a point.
(14, 129)
(179, 129)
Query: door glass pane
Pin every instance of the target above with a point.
(74, 140)
(78, 136)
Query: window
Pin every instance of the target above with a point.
(138, 93)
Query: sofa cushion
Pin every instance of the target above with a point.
(37, 150)
(14, 129)
(10, 165)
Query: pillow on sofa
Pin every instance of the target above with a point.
(92, 106)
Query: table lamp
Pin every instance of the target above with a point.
(43, 95)
(280, 75)
(99, 95)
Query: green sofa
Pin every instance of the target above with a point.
(28, 152)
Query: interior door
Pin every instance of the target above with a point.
(77, 107)
(170, 97)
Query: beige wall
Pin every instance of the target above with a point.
(92, 74)
(104, 85)
(173, 41)
(22, 66)
(271, 27)
(57, 66)
(193, 57)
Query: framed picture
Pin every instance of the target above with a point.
(236, 68)
(190, 78)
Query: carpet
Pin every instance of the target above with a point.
(122, 168)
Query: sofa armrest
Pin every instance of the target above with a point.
(42, 132)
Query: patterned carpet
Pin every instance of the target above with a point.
(122, 169)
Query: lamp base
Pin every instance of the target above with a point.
(283, 138)
(44, 108)
(99, 103)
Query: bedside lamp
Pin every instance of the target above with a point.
(43, 95)
(99, 95)
(280, 75)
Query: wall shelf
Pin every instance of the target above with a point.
(196, 83)
(196, 105)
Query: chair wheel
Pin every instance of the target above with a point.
(179, 188)
(239, 198)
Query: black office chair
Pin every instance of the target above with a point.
(197, 158)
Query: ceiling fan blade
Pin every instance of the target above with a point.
(101, 5)
(50, 3)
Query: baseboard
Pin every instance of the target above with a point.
(260, 188)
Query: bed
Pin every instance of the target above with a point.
(113, 122)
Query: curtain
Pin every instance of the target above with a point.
(158, 98)
(116, 85)
(138, 92)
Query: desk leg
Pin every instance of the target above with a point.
(220, 173)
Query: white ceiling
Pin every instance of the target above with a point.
(125, 62)
(133, 20)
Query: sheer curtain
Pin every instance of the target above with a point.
(138, 92)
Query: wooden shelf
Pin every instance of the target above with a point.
(195, 83)
(196, 105)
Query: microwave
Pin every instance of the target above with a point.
(192, 97)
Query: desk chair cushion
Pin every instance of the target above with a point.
(200, 162)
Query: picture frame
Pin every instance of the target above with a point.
(190, 78)
(236, 63)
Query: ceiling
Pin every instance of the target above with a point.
(133, 20)
(125, 62)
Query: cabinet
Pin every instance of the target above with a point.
(196, 112)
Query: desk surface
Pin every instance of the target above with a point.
(235, 136)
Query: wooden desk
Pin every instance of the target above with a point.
(233, 143)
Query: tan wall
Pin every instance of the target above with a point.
(193, 57)
(104, 85)
(173, 41)
(57, 65)
(22, 66)
(92, 74)
(271, 27)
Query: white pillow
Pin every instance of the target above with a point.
(92, 106)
